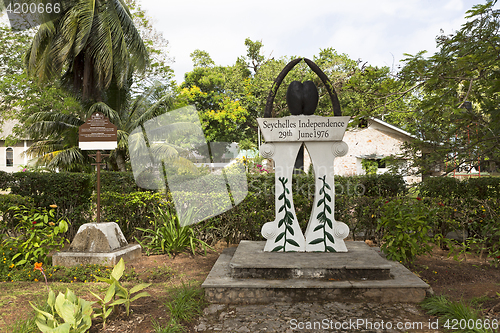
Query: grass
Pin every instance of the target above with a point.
(187, 303)
(185, 306)
(453, 314)
(27, 325)
(172, 327)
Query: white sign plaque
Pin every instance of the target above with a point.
(303, 128)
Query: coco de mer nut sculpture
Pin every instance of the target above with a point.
(322, 137)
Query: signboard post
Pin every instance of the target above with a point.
(98, 133)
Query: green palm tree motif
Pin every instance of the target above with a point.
(287, 219)
(323, 218)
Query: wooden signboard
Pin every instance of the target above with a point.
(98, 133)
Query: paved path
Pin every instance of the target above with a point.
(308, 317)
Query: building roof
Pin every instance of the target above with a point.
(392, 127)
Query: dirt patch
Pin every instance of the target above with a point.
(466, 278)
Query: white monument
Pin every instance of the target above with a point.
(322, 137)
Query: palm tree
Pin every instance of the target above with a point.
(56, 133)
(93, 47)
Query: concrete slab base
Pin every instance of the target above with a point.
(97, 243)
(222, 287)
(128, 253)
(250, 261)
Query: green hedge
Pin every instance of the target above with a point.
(450, 187)
(7, 201)
(121, 182)
(5, 178)
(132, 210)
(71, 192)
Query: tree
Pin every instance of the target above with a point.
(230, 98)
(106, 77)
(158, 73)
(20, 96)
(94, 48)
(56, 133)
(456, 90)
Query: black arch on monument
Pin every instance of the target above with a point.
(268, 112)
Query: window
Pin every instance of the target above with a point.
(381, 163)
(9, 157)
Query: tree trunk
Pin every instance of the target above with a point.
(120, 160)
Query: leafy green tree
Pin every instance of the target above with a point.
(93, 48)
(106, 77)
(56, 133)
(20, 96)
(456, 89)
(230, 98)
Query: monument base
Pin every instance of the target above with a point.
(97, 243)
(248, 275)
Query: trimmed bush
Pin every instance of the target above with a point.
(132, 210)
(113, 181)
(71, 192)
(450, 187)
(5, 179)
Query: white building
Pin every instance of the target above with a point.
(375, 141)
(11, 156)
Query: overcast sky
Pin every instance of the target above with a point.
(377, 32)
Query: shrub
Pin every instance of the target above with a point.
(132, 210)
(5, 179)
(405, 227)
(37, 233)
(71, 192)
(120, 182)
(449, 187)
(7, 216)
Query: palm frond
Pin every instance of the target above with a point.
(86, 9)
(103, 108)
(43, 147)
(154, 110)
(67, 159)
(136, 47)
(101, 51)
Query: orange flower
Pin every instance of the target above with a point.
(38, 266)
(53, 206)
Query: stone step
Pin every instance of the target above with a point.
(359, 263)
(222, 287)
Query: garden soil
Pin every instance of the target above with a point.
(470, 278)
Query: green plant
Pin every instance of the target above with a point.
(105, 311)
(172, 327)
(369, 166)
(167, 235)
(120, 294)
(405, 227)
(458, 316)
(67, 313)
(38, 233)
(187, 303)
